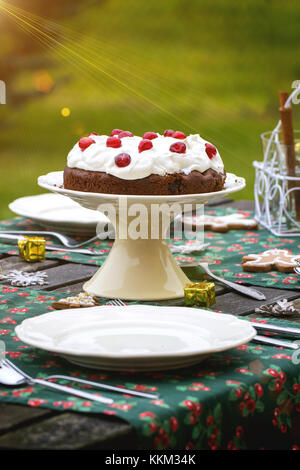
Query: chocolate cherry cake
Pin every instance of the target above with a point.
(154, 164)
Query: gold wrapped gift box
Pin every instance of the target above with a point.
(200, 294)
(32, 248)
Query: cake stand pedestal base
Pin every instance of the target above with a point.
(142, 268)
(138, 270)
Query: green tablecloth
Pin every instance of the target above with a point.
(224, 253)
(244, 398)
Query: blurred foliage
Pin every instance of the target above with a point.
(208, 66)
(19, 52)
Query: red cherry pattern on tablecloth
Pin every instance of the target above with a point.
(122, 160)
(210, 150)
(150, 135)
(85, 142)
(113, 142)
(178, 147)
(145, 144)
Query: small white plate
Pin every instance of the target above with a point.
(58, 213)
(136, 337)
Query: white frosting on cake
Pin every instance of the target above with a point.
(158, 160)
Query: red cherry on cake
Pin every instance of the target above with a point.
(179, 135)
(93, 133)
(150, 135)
(168, 133)
(125, 134)
(85, 142)
(123, 159)
(178, 147)
(115, 132)
(114, 142)
(145, 144)
(210, 150)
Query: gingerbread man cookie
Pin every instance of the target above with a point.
(220, 223)
(79, 301)
(279, 260)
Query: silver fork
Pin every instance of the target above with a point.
(116, 303)
(19, 377)
(249, 291)
(64, 239)
(83, 251)
(46, 381)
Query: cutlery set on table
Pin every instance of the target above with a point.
(127, 337)
(161, 338)
(12, 376)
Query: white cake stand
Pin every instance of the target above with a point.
(142, 269)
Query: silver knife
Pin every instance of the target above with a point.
(275, 342)
(106, 387)
(288, 330)
(73, 391)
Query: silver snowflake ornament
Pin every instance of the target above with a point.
(24, 279)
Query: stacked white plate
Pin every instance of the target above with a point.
(139, 337)
(58, 213)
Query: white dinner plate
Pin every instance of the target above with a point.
(136, 337)
(58, 213)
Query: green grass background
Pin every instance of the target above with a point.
(213, 67)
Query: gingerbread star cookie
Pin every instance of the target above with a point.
(81, 300)
(221, 223)
(270, 260)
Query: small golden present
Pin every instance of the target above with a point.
(32, 248)
(200, 294)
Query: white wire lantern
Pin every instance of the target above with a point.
(275, 190)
